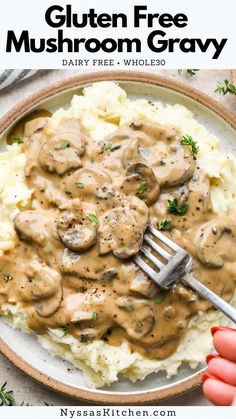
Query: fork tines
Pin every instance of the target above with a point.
(164, 269)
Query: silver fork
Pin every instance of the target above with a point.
(177, 268)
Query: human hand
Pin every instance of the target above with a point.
(219, 383)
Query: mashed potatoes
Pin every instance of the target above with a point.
(14, 193)
(103, 107)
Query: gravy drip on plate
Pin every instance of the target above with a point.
(72, 264)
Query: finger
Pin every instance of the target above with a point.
(219, 393)
(225, 344)
(224, 369)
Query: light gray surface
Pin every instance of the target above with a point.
(24, 388)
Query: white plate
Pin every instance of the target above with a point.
(23, 349)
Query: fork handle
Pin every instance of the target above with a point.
(214, 299)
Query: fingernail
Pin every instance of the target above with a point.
(207, 376)
(215, 329)
(211, 356)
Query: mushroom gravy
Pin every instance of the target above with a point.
(72, 267)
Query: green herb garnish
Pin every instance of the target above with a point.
(65, 330)
(64, 145)
(159, 298)
(189, 141)
(143, 187)
(190, 72)
(108, 147)
(226, 87)
(175, 208)
(94, 315)
(93, 218)
(164, 225)
(17, 139)
(6, 397)
(79, 185)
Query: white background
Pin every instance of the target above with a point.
(106, 411)
(206, 19)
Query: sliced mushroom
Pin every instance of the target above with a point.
(35, 125)
(128, 141)
(130, 153)
(81, 316)
(70, 263)
(62, 151)
(87, 335)
(40, 282)
(127, 303)
(35, 136)
(217, 242)
(80, 265)
(141, 181)
(34, 226)
(176, 167)
(122, 134)
(160, 147)
(125, 148)
(154, 131)
(77, 225)
(89, 310)
(143, 285)
(123, 152)
(86, 183)
(108, 274)
(144, 327)
(122, 228)
(48, 193)
(199, 194)
(136, 316)
(46, 308)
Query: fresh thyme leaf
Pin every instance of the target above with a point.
(164, 225)
(108, 147)
(226, 87)
(175, 208)
(6, 397)
(143, 187)
(64, 145)
(25, 404)
(17, 139)
(159, 298)
(93, 218)
(94, 315)
(79, 185)
(65, 330)
(189, 141)
(190, 72)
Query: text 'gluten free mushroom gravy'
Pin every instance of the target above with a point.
(98, 178)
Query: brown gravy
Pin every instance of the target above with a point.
(72, 267)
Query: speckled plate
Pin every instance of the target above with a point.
(23, 350)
